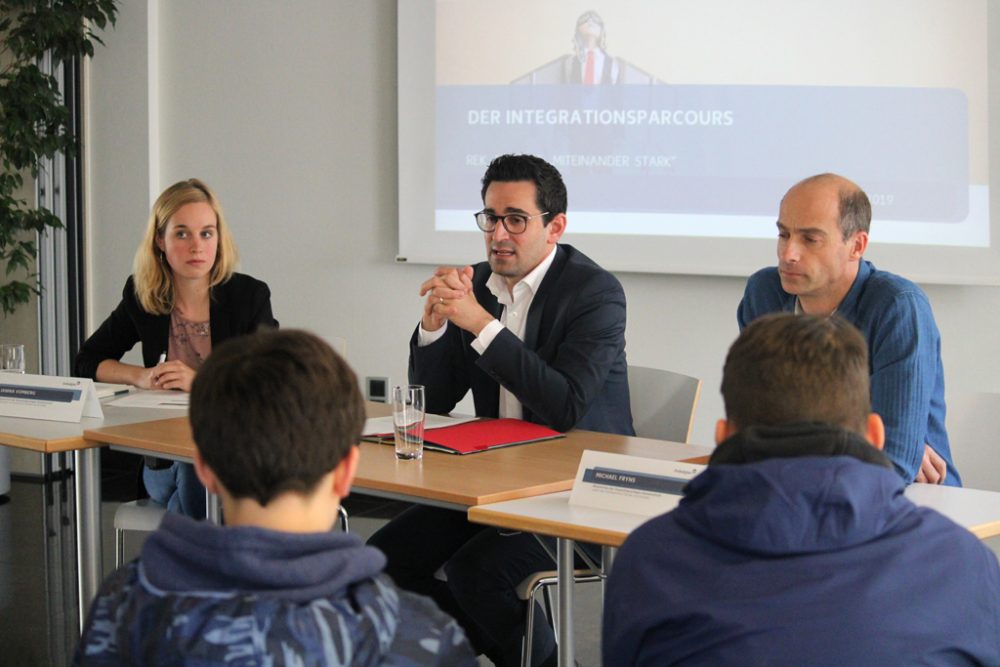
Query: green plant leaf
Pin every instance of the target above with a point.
(34, 122)
(17, 292)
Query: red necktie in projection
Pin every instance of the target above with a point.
(588, 69)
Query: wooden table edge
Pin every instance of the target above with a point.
(111, 436)
(537, 526)
(986, 530)
(47, 446)
(460, 499)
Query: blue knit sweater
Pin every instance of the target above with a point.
(907, 377)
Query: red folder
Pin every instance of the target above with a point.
(482, 435)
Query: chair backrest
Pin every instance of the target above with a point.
(973, 422)
(662, 403)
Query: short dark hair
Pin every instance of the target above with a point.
(855, 212)
(275, 411)
(550, 191)
(787, 368)
(853, 204)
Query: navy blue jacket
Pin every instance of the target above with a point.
(570, 370)
(797, 547)
(202, 594)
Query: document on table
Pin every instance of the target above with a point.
(383, 425)
(155, 398)
(107, 389)
(632, 484)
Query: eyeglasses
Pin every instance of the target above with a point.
(514, 223)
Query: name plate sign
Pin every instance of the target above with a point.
(630, 484)
(62, 399)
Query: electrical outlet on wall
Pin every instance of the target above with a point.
(377, 389)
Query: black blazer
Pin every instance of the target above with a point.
(570, 370)
(239, 306)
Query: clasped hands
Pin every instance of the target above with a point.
(450, 298)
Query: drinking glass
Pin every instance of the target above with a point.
(12, 358)
(408, 421)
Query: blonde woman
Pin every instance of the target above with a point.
(182, 299)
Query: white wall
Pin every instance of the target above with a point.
(288, 109)
(117, 158)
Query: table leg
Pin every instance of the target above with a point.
(214, 509)
(607, 559)
(564, 549)
(88, 525)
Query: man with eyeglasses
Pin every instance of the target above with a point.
(538, 333)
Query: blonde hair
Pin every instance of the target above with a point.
(154, 285)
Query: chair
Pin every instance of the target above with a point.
(142, 515)
(145, 515)
(663, 405)
(344, 524)
(662, 402)
(528, 591)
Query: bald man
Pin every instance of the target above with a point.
(823, 227)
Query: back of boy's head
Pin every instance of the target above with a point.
(787, 368)
(274, 412)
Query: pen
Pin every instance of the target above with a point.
(163, 357)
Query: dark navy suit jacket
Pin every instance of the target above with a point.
(570, 370)
(239, 306)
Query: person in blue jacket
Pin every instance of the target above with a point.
(796, 546)
(275, 417)
(823, 227)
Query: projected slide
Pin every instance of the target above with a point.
(697, 128)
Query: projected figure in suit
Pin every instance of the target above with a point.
(537, 332)
(822, 234)
(590, 63)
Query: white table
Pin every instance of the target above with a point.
(553, 516)
(50, 437)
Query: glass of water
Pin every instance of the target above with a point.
(408, 421)
(12, 358)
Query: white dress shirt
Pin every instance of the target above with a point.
(514, 317)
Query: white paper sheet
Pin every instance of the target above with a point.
(154, 398)
(380, 425)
